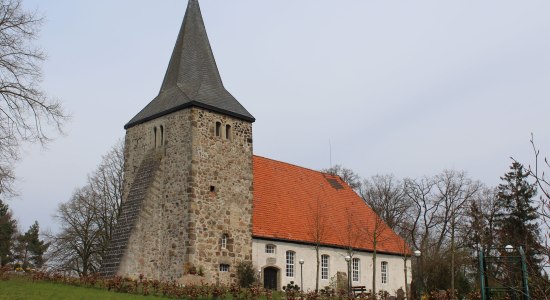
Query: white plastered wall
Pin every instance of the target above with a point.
(337, 263)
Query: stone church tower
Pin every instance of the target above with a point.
(187, 199)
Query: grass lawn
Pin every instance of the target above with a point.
(20, 288)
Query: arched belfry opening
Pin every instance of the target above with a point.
(155, 136)
(228, 132)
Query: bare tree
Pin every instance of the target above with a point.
(317, 229)
(432, 227)
(456, 190)
(385, 195)
(106, 182)
(537, 172)
(87, 220)
(26, 113)
(422, 216)
(350, 238)
(376, 231)
(406, 255)
(77, 248)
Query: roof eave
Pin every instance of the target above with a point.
(267, 238)
(187, 105)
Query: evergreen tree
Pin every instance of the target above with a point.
(8, 228)
(36, 246)
(517, 225)
(30, 249)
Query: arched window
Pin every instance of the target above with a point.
(161, 135)
(270, 248)
(324, 266)
(228, 132)
(384, 271)
(224, 240)
(290, 255)
(218, 128)
(355, 268)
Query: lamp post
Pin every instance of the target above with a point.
(509, 249)
(260, 274)
(348, 259)
(417, 253)
(301, 274)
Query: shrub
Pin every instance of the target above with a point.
(246, 274)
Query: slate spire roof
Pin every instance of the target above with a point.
(192, 78)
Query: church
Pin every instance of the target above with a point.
(197, 201)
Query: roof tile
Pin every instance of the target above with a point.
(289, 202)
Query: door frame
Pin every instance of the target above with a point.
(278, 279)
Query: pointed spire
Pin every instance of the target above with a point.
(192, 77)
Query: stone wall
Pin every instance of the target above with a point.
(221, 194)
(201, 191)
(156, 246)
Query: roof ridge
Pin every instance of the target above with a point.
(297, 166)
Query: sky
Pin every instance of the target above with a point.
(409, 88)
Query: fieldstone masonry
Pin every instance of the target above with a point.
(131, 208)
(189, 191)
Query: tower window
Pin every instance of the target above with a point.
(228, 132)
(212, 189)
(218, 128)
(155, 137)
(161, 135)
(224, 268)
(224, 241)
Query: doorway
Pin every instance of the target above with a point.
(270, 278)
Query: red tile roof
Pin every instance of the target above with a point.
(292, 203)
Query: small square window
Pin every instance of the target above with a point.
(270, 248)
(224, 268)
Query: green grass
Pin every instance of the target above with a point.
(20, 288)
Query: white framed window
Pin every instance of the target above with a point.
(325, 259)
(290, 255)
(270, 248)
(224, 268)
(384, 271)
(355, 269)
(224, 241)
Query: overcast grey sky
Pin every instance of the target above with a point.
(403, 87)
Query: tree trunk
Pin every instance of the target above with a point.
(374, 270)
(453, 257)
(407, 294)
(317, 273)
